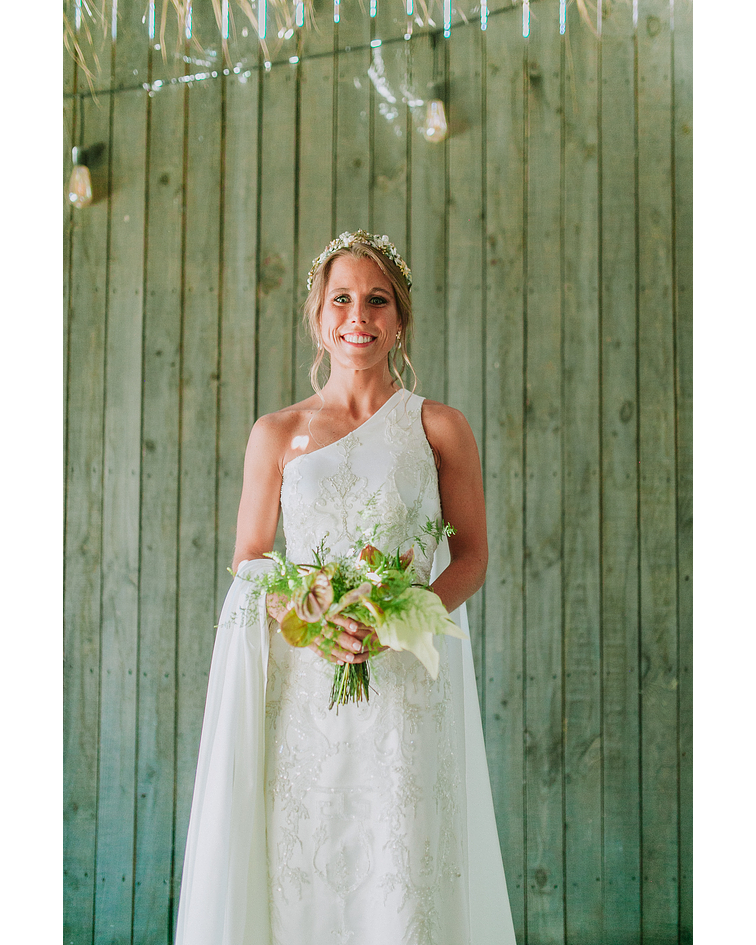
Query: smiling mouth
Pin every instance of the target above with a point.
(358, 338)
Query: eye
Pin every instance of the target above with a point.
(378, 300)
(342, 298)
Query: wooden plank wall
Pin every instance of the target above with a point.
(550, 238)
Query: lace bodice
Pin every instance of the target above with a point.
(365, 837)
(381, 473)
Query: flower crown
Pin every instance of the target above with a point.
(381, 243)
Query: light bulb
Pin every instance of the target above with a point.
(80, 187)
(435, 126)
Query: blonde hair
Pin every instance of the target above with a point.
(313, 306)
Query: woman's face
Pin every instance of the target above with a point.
(359, 319)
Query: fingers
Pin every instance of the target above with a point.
(352, 626)
(347, 646)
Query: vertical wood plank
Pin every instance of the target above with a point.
(388, 179)
(121, 499)
(658, 574)
(505, 175)
(159, 520)
(543, 523)
(197, 561)
(581, 500)
(83, 542)
(352, 153)
(683, 170)
(619, 460)
(238, 340)
(315, 196)
(465, 280)
(125, 546)
(276, 280)
(427, 250)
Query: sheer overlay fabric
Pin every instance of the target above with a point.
(374, 825)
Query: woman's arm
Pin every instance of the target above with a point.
(259, 507)
(460, 483)
(257, 521)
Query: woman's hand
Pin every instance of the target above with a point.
(346, 640)
(352, 641)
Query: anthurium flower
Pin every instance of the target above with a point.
(352, 597)
(414, 626)
(407, 558)
(295, 630)
(317, 597)
(372, 555)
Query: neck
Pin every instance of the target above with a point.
(358, 391)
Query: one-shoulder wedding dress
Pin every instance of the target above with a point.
(370, 826)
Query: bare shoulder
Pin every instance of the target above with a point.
(440, 420)
(272, 433)
(447, 429)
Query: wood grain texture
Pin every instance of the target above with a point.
(550, 239)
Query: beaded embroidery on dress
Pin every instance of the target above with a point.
(364, 826)
(370, 827)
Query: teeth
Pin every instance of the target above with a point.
(359, 339)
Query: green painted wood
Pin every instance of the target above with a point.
(83, 548)
(121, 512)
(388, 183)
(314, 197)
(238, 339)
(352, 133)
(276, 282)
(159, 520)
(581, 576)
(504, 479)
(544, 769)
(658, 573)
(683, 169)
(619, 464)
(198, 486)
(466, 293)
(427, 239)
(537, 380)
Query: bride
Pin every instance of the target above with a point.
(374, 826)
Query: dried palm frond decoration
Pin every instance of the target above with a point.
(84, 19)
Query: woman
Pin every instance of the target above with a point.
(374, 825)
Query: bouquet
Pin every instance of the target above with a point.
(377, 588)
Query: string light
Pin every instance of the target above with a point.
(562, 16)
(336, 13)
(483, 14)
(526, 18)
(224, 19)
(410, 8)
(447, 19)
(114, 21)
(188, 26)
(77, 15)
(151, 20)
(80, 184)
(299, 13)
(373, 7)
(599, 17)
(263, 18)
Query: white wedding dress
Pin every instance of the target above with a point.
(373, 826)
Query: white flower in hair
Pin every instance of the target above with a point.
(345, 240)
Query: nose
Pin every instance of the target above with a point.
(359, 312)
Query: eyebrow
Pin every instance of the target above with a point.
(347, 289)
